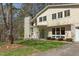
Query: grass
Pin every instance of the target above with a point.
(18, 52)
(41, 44)
(31, 46)
(1, 43)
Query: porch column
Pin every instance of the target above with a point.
(73, 32)
(49, 32)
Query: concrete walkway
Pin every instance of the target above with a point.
(67, 50)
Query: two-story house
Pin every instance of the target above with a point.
(56, 21)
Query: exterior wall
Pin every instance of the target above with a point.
(74, 15)
(49, 31)
(59, 21)
(46, 13)
(68, 31)
(28, 34)
(35, 33)
(75, 35)
(27, 31)
(68, 22)
(73, 32)
(72, 20)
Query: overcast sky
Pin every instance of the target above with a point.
(18, 5)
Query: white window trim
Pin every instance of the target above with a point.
(59, 34)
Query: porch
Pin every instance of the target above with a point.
(55, 32)
(60, 32)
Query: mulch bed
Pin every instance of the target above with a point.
(10, 47)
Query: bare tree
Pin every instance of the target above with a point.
(5, 26)
(4, 17)
(11, 24)
(8, 22)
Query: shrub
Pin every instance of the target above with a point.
(52, 38)
(48, 38)
(69, 39)
(60, 39)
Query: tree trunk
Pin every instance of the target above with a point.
(11, 38)
(4, 18)
(8, 22)
(5, 27)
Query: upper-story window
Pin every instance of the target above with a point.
(44, 18)
(54, 16)
(40, 19)
(67, 13)
(60, 14)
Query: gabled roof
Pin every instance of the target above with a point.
(73, 5)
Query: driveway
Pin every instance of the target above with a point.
(67, 50)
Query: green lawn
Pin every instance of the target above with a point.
(31, 46)
(1, 43)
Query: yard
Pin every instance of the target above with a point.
(27, 47)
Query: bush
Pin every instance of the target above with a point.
(60, 39)
(69, 39)
(49, 38)
(52, 38)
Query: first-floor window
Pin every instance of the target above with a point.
(58, 32)
(62, 30)
(53, 31)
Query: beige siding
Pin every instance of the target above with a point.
(75, 15)
(72, 19)
(65, 20)
(35, 33)
(27, 29)
(46, 13)
(68, 33)
(49, 32)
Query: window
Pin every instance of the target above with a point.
(62, 30)
(54, 16)
(44, 18)
(60, 14)
(57, 31)
(67, 13)
(40, 19)
(53, 31)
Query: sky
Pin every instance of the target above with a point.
(18, 5)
